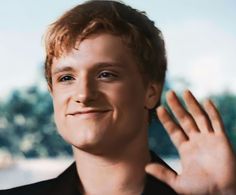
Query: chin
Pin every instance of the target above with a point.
(83, 139)
(91, 147)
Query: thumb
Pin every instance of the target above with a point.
(162, 173)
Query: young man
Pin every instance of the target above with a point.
(105, 69)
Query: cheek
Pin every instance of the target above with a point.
(59, 105)
(129, 115)
(57, 113)
(128, 98)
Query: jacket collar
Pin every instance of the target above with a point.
(68, 181)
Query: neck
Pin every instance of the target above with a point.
(122, 173)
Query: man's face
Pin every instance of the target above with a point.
(100, 100)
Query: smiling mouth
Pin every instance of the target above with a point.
(89, 113)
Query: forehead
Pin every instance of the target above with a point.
(97, 48)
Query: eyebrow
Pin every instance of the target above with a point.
(97, 65)
(62, 69)
(108, 64)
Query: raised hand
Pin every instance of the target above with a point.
(207, 158)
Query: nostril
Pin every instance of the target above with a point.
(85, 89)
(84, 97)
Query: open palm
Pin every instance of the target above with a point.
(207, 159)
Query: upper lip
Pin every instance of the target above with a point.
(86, 111)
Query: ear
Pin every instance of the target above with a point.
(153, 94)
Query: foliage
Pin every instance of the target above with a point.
(27, 128)
(159, 140)
(226, 103)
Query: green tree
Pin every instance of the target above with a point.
(226, 103)
(27, 126)
(29, 129)
(159, 140)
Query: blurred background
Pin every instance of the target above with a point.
(201, 47)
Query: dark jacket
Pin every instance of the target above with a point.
(67, 184)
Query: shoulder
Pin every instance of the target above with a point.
(65, 183)
(35, 188)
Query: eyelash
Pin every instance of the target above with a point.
(65, 78)
(107, 75)
(104, 75)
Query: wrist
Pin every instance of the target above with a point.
(228, 192)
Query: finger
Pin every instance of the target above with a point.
(162, 173)
(184, 118)
(214, 116)
(197, 112)
(175, 132)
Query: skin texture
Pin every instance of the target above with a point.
(98, 95)
(208, 161)
(101, 107)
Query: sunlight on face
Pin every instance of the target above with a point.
(98, 95)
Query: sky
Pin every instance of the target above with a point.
(200, 38)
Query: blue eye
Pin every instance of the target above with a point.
(66, 78)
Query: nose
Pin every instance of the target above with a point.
(86, 90)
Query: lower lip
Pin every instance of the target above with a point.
(90, 114)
